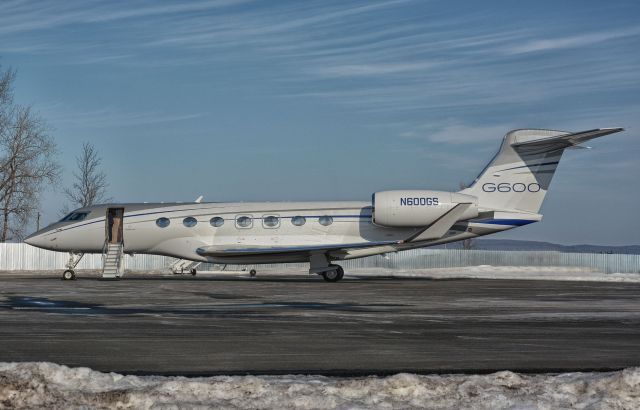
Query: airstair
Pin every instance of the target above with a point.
(112, 260)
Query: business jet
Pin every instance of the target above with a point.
(508, 193)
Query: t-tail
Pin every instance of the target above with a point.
(518, 177)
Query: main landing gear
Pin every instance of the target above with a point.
(334, 274)
(319, 264)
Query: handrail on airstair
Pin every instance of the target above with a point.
(118, 259)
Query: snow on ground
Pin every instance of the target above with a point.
(48, 385)
(570, 273)
(502, 272)
(468, 272)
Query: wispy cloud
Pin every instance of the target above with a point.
(62, 115)
(354, 70)
(21, 16)
(392, 58)
(572, 41)
(459, 133)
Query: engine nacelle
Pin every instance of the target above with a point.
(417, 208)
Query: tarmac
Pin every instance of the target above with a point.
(299, 324)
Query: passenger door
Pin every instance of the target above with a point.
(114, 225)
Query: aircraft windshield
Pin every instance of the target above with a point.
(75, 217)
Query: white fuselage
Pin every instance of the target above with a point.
(350, 224)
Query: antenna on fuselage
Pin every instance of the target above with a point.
(198, 199)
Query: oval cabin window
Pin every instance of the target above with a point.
(271, 221)
(189, 222)
(216, 221)
(244, 222)
(163, 222)
(298, 220)
(325, 220)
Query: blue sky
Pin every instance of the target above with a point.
(314, 100)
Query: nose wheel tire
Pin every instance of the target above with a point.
(333, 275)
(253, 273)
(193, 272)
(68, 275)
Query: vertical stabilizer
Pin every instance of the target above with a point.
(519, 175)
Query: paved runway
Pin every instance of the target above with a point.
(220, 324)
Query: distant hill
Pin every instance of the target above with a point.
(514, 245)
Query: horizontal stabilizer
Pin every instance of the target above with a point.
(440, 227)
(559, 142)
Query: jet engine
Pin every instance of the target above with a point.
(399, 209)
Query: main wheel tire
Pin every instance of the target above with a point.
(253, 273)
(193, 272)
(331, 275)
(340, 273)
(68, 275)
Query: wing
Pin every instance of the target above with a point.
(228, 250)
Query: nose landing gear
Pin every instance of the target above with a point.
(74, 259)
(69, 275)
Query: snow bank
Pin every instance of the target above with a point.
(501, 272)
(47, 385)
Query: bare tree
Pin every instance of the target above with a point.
(6, 99)
(27, 161)
(6, 91)
(90, 183)
(469, 243)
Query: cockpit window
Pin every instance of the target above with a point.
(75, 217)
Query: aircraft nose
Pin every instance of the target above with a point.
(35, 239)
